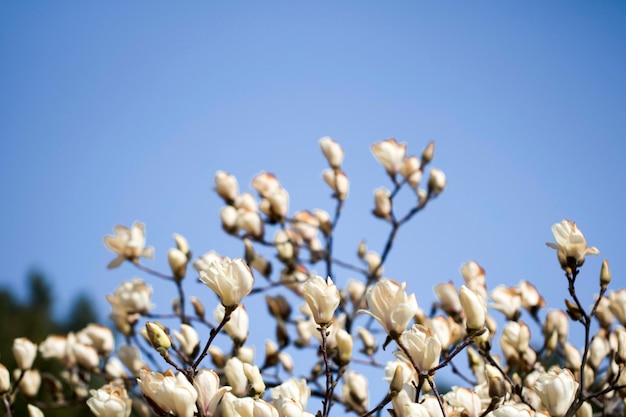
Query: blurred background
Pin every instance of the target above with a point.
(116, 112)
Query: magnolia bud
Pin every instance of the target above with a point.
(271, 354)
(436, 182)
(198, 308)
(382, 203)
(362, 249)
(323, 218)
(368, 340)
(253, 374)
(30, 383)
(338, 181)
(429, 153)
(620, 353)
(286, 361)
(178, 263)
(572, 310)
(390, 154)
(605, 274)
(397, 381)
(188, 340)
(226, 186)
(228, 215)
(332, 151)
(585, 410)
(34, 411)
(24, 352)
(474, 308)
(344, 347)
(158, 337)
(5, 379)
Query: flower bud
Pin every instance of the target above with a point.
(605, 274)
(436, 182)
(368, 340)
(178, 263)
(229, 216)
(158, 337)
(617, 305)
(449, 297)
(620, 353)
(362, 249)
(34, 411)
(255, 379)
(226, 186)
(5, 379)
(188, 340)
(396, 382)
(286, 361)
(585, 410)
(322, 297)
(572, 310)
(411, 171)
(198, 308)
(429, 153)
(355, 391)
(474, 309)
(344, 347)
(382, 203)
(323, 218)
(24, 352)
(332, 151)
(338, 181)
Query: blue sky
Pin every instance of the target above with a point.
(115, 112)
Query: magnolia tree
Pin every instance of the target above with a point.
(164, 367)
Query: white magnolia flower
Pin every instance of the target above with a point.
(5, 379)
(423, 346)
(338, 181)
(100, 337)
(34, 411)
(390, 305)
(188, 339)
(171, 394)
(557, 390)
(354, 391)
(231, 280)
(295, 389)
(207, 384)
(390, 154)
(24, 352)
(132, 296)
(30, 383)
(111, 400)
(571, 242)
(238, 325)
(322, 297)
(128, 244)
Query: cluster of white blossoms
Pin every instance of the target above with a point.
(371, 348)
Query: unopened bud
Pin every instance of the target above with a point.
(271, 354)
(338, 181)
(396, 382)
(5, 379)
(198, 308)
(362, 250)
(605, 274)
(286, 361)
(182, 244)
(369, 341)
(324, 220)
(436, 182)
(497, 384)
(217, 357)
(563, 261)
(158, 337)
(585, 410)
(229, 216)
(382, 203)
(429, 153)
(253, 373)
(332, 151)
(344, 347)
(226, 186)
(278, 307)
(178, 263)
(572, 310)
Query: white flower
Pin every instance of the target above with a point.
(389, 304)
(557, 390)
(30, 383)
(100, 337)
(436, 181)
(111, 400)
(295, 389)
(207, 384)
(128, 243)
(132, 296)
(231, 280)
(5, 379)
(382, 203)
(322, 297)
(24, 352)
(34, 411)
(422, 345)
(332, 151)
(236, 376)
(171, 394)
(390, 154)
(355, 391)
(571, 242)
(238, 325)
(405, 406)
(188, 339)
(507, 300)
(617, 305)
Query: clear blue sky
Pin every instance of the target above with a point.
(112, 112)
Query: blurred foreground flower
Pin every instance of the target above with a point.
(128, 244)
(557, 390)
